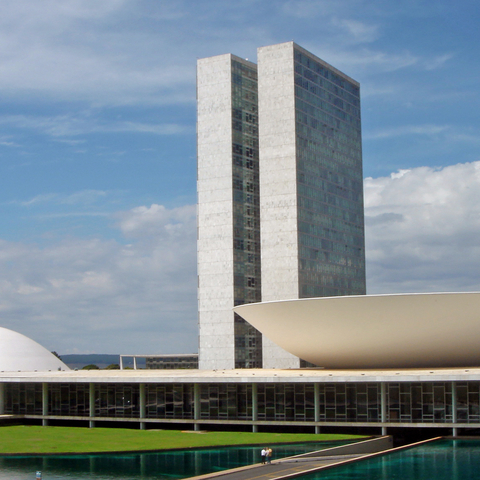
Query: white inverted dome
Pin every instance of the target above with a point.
(20, 353)
(421, 330)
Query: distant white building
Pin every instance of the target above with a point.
(280, 194)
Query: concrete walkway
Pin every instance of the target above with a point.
(279, 469)
(299, 465)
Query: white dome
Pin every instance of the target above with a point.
(20, 353)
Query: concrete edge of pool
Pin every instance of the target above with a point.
(303, 464)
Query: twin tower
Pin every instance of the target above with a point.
(280, 194)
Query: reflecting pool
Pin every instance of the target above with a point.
(163, 465)
(439, 460)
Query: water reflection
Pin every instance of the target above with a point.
(441, 460)
(166, 465)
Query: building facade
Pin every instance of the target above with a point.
(379, 401)
(228, 211)
(280, 196)
(171, 362)
(312, 226)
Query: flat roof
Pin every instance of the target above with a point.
(159, 355)
(245, 376)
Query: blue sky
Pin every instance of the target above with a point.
(97, 153)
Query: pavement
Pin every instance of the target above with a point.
(291, 467)
(279, 469)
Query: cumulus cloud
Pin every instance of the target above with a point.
(147, 221)
(137, 294)
(422, 230)
(94, 295)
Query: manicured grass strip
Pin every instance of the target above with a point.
(32, 439)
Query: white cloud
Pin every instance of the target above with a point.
(373, 61)
(145, 221)
(43, 198)
(157, 129)
(407, 130)
(438, 61)
(92, 51)
(86, 123)
(422, 230)
(308, 9)
(102, 296)
(4, 142)
(83, 197)
(129, 52)
(360, 32)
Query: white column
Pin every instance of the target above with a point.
(143, 408)
(316, 400)
(196, 405)
(254, 406)
(2, 398)
(44, 403)
(91, 401)
(383, 406)
(134, 363)
(454, 409)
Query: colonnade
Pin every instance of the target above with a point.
(198, 420)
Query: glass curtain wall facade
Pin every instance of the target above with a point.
(330, 184)
(23, 399)
(406, 403)
(169, 401)
(246, 211)
(311, 188)
(68, 399)
(226, 401)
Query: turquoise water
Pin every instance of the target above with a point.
(145, 466)
(440, 460)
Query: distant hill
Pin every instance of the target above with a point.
(99, 359)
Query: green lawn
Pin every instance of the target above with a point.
(32, 439)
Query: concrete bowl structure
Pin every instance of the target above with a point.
(423, 330)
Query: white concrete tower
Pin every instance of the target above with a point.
(280, 194)
(228, 211)
(311, 189)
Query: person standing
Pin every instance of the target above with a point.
(264, 455)
(269, 455)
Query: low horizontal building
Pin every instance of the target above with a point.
(172, 362)
(250, 399)
(399, 331)
(163, 362)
